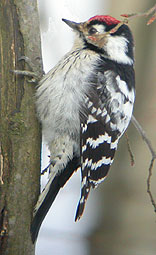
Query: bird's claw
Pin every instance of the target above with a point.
(35, 76)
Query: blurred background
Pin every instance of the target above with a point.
(119, 218)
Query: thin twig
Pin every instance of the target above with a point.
(149, 184)
(128, 17)
(144, 14)
(153, 153)
(144, 136)
(134, 121)
(129, 150)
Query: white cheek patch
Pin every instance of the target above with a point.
(116, 49)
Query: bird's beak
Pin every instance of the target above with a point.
(72, 24)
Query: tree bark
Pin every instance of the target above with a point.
(20, 134)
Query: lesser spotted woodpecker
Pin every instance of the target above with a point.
(85, 104)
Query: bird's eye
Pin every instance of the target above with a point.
(92, 31)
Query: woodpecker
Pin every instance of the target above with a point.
(85, 104)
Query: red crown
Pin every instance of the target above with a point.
(105, 18)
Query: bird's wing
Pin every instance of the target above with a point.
(108, 112)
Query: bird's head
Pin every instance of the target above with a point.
(94, 34)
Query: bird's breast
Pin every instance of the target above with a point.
(61, 94)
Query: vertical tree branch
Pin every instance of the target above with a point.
(20, 134)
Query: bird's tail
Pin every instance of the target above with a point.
(85, 189)
(49, 194)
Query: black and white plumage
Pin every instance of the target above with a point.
(85, 104)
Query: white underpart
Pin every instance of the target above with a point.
(116, 48)
(59, 97)
(61, 153)
(61, 93)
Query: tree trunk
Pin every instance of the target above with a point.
(20, 135)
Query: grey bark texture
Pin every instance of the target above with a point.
(20, 135)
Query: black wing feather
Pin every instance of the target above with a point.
(101, 128)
